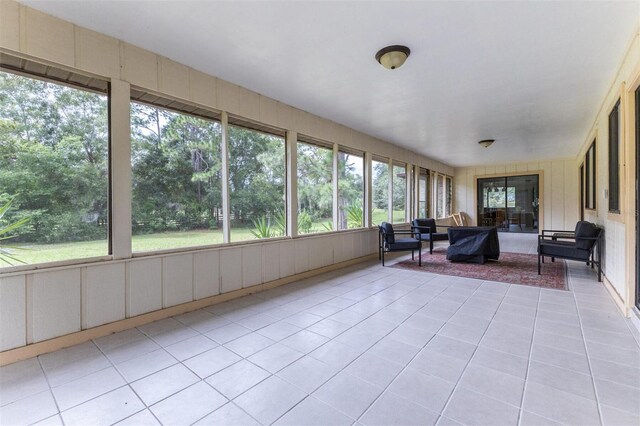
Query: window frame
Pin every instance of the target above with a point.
(341, 149)
(26, 68)
(590, 176)
(394, 164)
(614, 148)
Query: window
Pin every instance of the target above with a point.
(399, 199)
(448, 193)
(614, 164)
(176, 177)
(440, 196)
(256, 184)
(54, 158)
(315, 188)
(590, 178)
(350, 190)
(423, 193)
(380, 185)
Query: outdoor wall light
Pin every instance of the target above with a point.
(486, 142)
(392, 57)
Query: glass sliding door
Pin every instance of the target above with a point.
(509, 203)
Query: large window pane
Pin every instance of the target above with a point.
(176, 164)
(380, 185)
(53, 172)
(440, 191)
(448, 193)
(315, 188)
(256, 184)
(399, 193)
(350, 191)
(423, 194)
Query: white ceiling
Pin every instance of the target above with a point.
(531, 75)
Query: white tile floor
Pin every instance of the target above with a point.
(365, 345)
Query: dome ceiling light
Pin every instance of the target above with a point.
(392, 57)
(486, 142)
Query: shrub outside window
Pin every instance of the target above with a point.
(350, 190)
(54, 159)
(380, 186)
(256, 184)
(399, 201)
(315, 188)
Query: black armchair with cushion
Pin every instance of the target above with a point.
(389, 242)
(426, 230)
(580, 244)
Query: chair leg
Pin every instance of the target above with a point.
(413, 255)
(539, 263)
(382, 257)
(430, 246)
(420, 255)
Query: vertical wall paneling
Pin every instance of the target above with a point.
(206, 273)
(230, 269)
(301, 252)
(287, 258)
(251, 265)
(103, 283)
(55, 304)
(144, 292)
(271, 261)
(13, 312)
(177, 279)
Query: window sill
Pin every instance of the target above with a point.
(18, 269)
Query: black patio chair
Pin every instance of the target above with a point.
(580, 244)
(426, 230)
(387, 242)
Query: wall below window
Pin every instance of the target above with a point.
(558, 186)
(40, 305)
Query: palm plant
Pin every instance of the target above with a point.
(355, 216)
(6, 255)
(263, 228)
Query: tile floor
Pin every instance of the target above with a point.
(364, 345)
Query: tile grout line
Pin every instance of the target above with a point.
(526, 375)
(586, 349)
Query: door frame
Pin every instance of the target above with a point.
(541, 202)
(631, 155)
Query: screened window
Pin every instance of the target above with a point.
(315, 188)
(256, 184)
(440, 189)
(423, 193)
(448, 193)
(614, 160)
(176, 177)
(590, 178)
(399, 200)
(350, 190)
(54, 181)
(380, 186)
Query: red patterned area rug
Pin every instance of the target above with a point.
(512, 268)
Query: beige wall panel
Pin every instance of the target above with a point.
(511, 168)
(230, 270)
(326, 256)
(286, 117)
(97, 53)
(177, 280)
(251, 265)
(228, 96)
(140, 67)
(557, 196)
(203, 89)
(55, 304)
(470, 208)
(10, 25)
(249, 104)
(144, 288)
(206, 274)
(48, 37)
(103, 294)
(303, 122)
(319, 249)
(13, 315)
(174, 78)
(268, 111)
(271, 262)
(572, 194)
(301, 249)
(287, 259)
(501, 169)
(521, 167)
(533, 166)
(489, 170)
(547, 194)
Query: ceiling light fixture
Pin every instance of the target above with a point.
(486, 142)
(392, 57)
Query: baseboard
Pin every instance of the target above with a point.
(622, 306)
(25, 352)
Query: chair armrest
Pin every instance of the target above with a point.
(544, 231)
